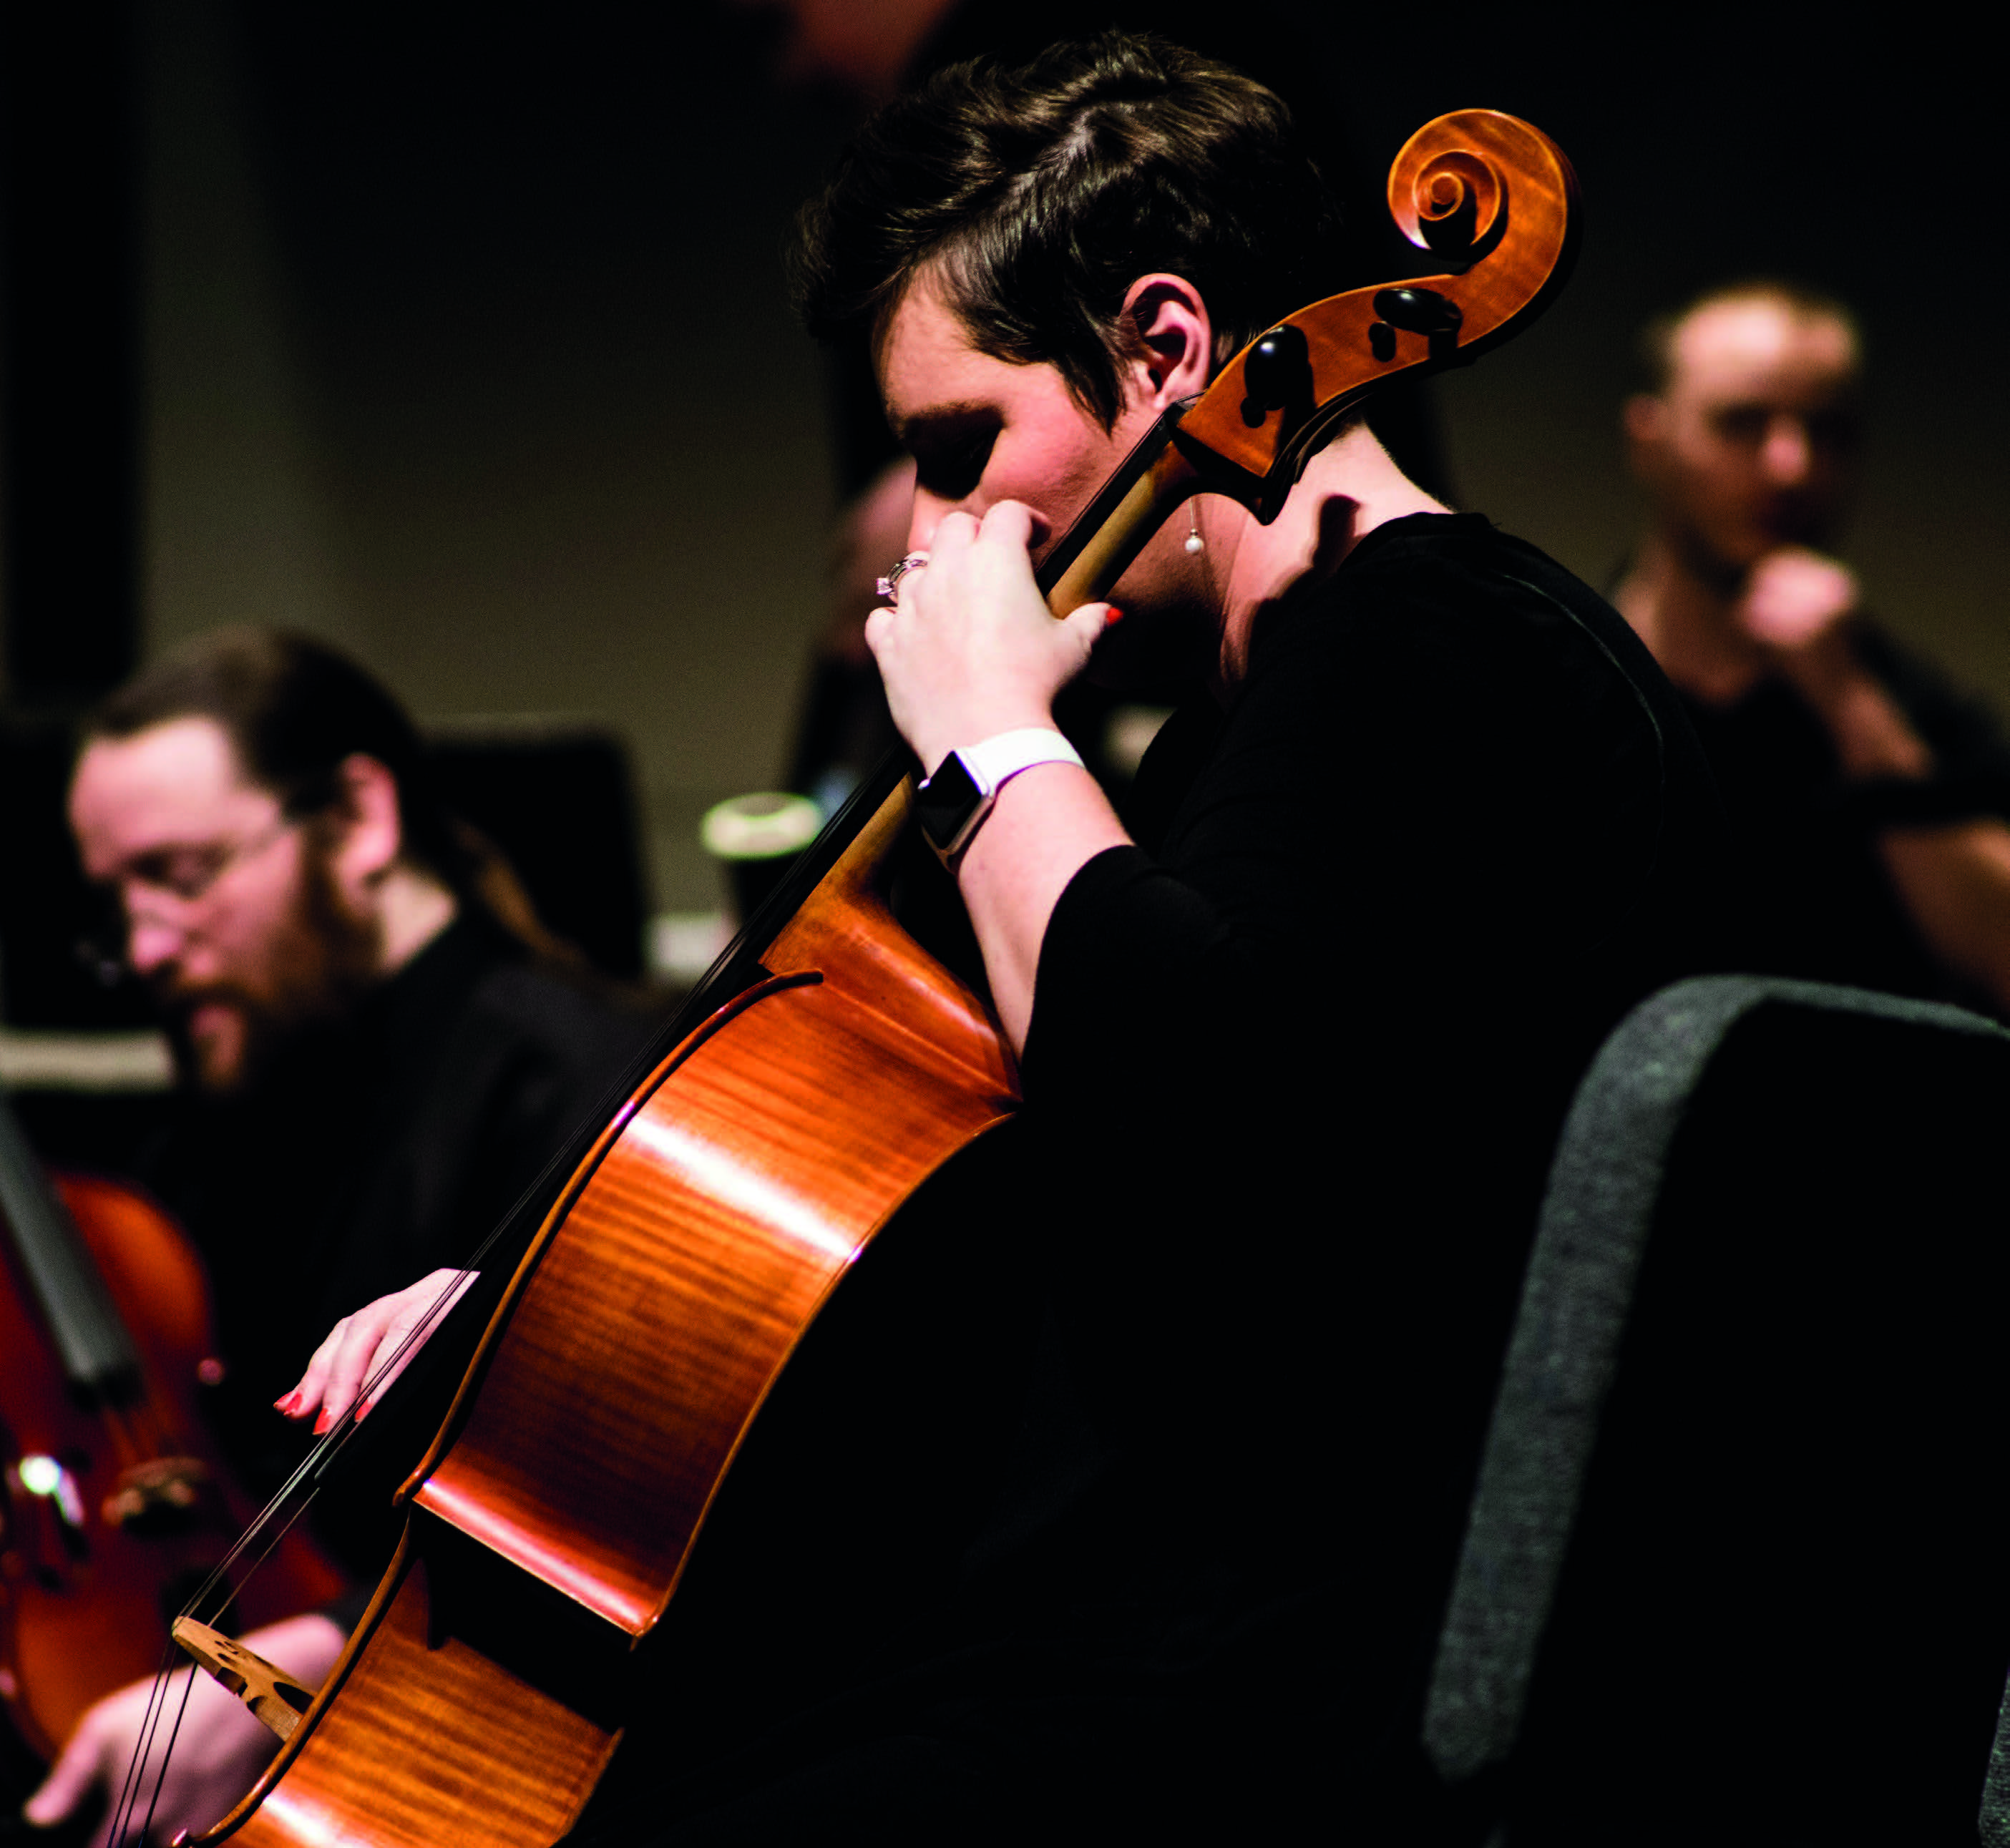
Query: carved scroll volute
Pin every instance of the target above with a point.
(1494, 200)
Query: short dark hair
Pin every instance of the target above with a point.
(1042, 193)
(1654, 355)
(293, 709)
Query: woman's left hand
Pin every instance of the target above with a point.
(969, 648)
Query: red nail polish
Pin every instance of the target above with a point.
(1113, 616)
(323, 1424)
(285, 1404)
(362, 1412)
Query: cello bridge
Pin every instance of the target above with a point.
(276, 1699)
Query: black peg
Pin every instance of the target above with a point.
(1277, 373)
(1419, 310)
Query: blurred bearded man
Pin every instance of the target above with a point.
(380, 1051)
(271, 923)
(375, 1065)
(1869, 799)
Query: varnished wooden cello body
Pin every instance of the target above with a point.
(115, 1506)
(829, 1066)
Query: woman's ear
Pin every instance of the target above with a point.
(1176, 335)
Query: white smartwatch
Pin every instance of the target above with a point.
(952, 804)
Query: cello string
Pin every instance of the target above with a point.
(150, 1724)
(122, 1812)
(300, 1488)
(262, 1527)
(317, 1457)
(121, 1808)
(163, 1676)
(167, 1752)
(264, 1553)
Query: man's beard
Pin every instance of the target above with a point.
(322, 960)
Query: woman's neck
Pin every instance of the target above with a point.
(1349, 489)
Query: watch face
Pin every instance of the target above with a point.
(944, 804)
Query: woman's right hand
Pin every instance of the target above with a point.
(372, 1348)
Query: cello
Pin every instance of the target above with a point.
(826, 1068)
(116, 1506)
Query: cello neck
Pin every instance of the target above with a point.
(98, 1358)
(1088, 559)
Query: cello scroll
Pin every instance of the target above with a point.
(1492, 198)
(1485, 192)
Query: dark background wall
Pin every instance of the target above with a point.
(461, 337)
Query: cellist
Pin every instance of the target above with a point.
(1296, 1032)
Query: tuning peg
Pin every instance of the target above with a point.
(1417, 311)
(1277, 375)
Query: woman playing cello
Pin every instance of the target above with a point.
(1296, 1032)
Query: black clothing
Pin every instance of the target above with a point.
(1453, 828)
(1819, 902)
(378, 1152)
(1294, 1071)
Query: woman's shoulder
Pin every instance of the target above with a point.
(1448, 608)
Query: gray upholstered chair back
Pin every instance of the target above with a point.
(1753, 1368)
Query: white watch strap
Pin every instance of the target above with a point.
(997, 759)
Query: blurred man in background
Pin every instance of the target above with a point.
(1870, 799)
(379, 1049)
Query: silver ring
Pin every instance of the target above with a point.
(891, 582)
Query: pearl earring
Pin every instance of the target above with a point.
(1195, 542)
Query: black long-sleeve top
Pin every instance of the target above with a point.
(1302, 1054)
